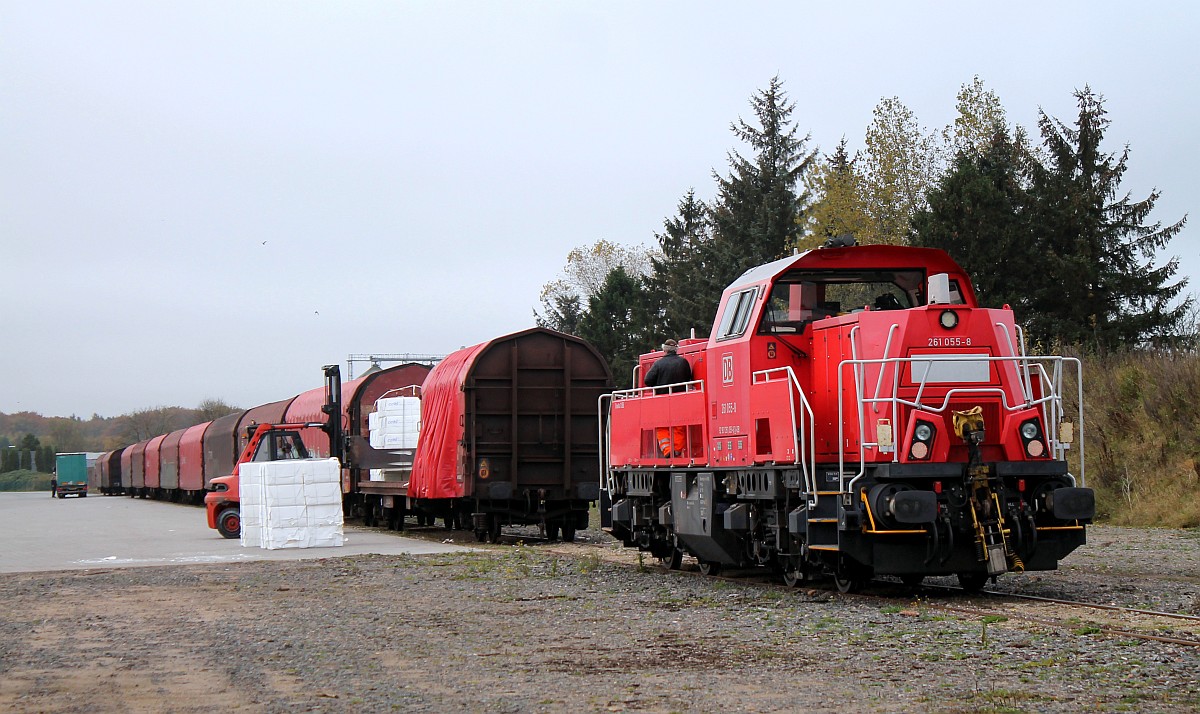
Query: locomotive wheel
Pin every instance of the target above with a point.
(229, 522)
(708, 567)
(792, 574)
(847, 583)
(850, 576)
(674, 561)
(972, 582)
(568, 534)
(450, 522)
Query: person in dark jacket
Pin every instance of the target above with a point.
(670, 369)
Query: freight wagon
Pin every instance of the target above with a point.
(509, 435)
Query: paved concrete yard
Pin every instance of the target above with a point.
(42, 533)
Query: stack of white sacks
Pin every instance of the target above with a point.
(291, 504)
(395, 424)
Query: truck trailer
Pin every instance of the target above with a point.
(71, 473)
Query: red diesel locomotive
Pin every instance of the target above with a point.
(853, 413)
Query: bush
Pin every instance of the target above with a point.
(24, 480)
(1143, 449)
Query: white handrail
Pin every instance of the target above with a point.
(804, 457)
(1051, 401)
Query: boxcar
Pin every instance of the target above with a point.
(510, 434)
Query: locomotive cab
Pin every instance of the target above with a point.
(853, 411)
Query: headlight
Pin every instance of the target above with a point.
(1029, 430)
(948, 319)
(923, 432)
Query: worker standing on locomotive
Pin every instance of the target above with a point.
(670, 369)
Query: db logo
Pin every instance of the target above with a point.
(727, 368)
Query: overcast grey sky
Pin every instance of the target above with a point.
(213, 199)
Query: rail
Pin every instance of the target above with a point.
(1051, 400)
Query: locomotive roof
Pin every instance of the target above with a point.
(859, 257)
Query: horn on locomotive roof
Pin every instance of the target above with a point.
(843, 241)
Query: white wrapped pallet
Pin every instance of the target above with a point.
(291, 504)
(398, 405)
(395, 424)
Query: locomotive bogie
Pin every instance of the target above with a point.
(894, 526)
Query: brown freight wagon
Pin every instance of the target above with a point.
(510, 434)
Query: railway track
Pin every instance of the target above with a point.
(1140, 624)
(1143, 618)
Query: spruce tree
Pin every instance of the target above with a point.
(758, 212)
(618, 322)
(682, 282)
(978, 213)
(1108, 293)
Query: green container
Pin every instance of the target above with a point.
(71, 470)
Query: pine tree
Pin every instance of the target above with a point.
(978, 213)
(758, 213)
(618, 322)
(1108, 293)
(682, 283)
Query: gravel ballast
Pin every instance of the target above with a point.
(584, 627)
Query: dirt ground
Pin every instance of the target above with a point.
(529, 627)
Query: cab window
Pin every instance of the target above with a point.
(737, 314)
(800, 297)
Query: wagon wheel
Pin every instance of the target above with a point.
(493, 523)
(972, 582)
(568, 533)
(551, 531)
(708, 567)
(912, 580)
(481, 535)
